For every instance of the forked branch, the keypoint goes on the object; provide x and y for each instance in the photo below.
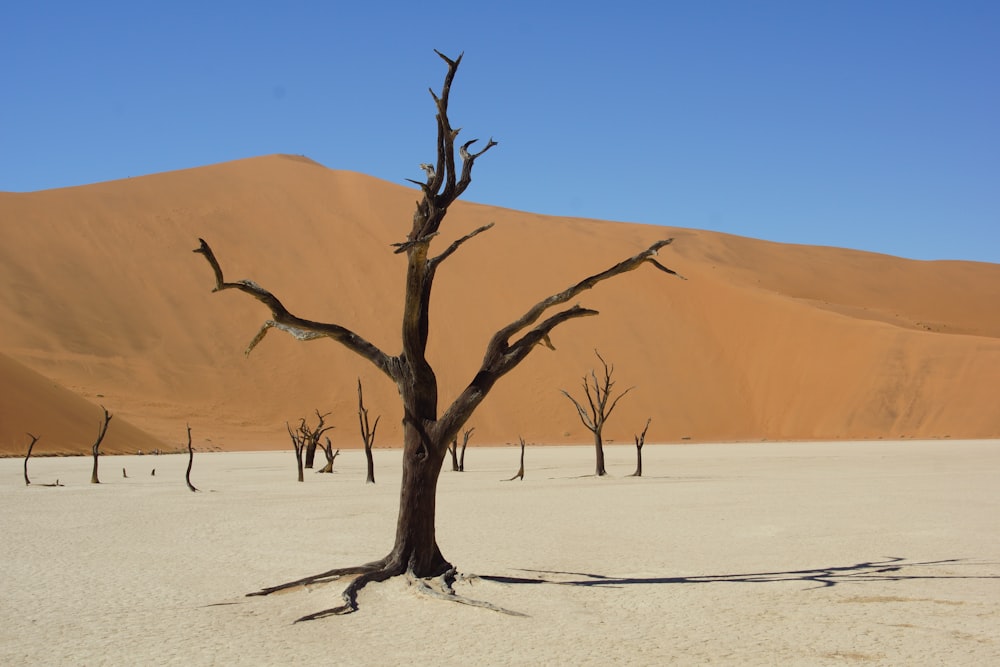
(502, 355)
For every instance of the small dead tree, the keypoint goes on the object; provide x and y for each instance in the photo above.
(298, 444)
(31, 445)
(598, 409)
(187, 475)
(640, 440)
(458, 460)
(304, 438)
(427, 428)
(367, 434)
(520, 471)
(330, 456)
(102, 430)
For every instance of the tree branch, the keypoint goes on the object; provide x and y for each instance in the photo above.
(301, 329)
(501, 338)
(433, 262)
(502, 356)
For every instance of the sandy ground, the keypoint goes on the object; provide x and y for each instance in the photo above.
(881, 553)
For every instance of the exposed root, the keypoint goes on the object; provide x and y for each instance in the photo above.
(322, 578)
(441, 588)
(350, 594)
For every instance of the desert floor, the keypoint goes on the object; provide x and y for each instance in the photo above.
(791, 553)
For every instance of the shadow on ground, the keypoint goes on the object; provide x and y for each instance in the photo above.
(890, 569)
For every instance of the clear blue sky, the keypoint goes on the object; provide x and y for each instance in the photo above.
(865, 124)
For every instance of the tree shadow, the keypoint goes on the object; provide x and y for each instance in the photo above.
(890, 569)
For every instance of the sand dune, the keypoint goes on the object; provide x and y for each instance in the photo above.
(763, 341)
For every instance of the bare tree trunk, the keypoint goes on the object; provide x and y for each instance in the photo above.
(102, 430)
(34, 439)
(367, 434)
(187, 475)
(453, 450)
(599, 469)
(298, 443)
(465, 443)
(415, 549)
(640, 440)
(310, 454)
(520, 471)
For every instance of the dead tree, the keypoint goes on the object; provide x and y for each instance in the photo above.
(426, 430)
(102, 430)
(597, 410)
(298, 444)
(367, 434)
(520, 471)
(640, 440)
(458, 461)
(304, 438)
(187, 475)
(31, 445)
(330, 456)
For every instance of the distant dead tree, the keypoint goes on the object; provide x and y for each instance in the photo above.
(187, 475)
(330, 456)
(304, 438)
(458, 461)
(640, 440)
(426, 430)
(520, 471)
(598, 409)
(102, 430)
(31, 445)
(367, 434)
(124, 474)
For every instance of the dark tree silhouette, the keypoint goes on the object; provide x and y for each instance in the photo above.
(367, 434)
(31, 445)
(101, 431)
(458, 460)
(304, 438)
(330, 457)
(187, 475)
(640, 440)
(597, 410)
(520, 471)
(426, 431)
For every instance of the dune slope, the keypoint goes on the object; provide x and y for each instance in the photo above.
(762, 341)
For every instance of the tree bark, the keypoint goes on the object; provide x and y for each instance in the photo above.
(599, 469)
(415, 549)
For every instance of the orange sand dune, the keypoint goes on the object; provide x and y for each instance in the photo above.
(763, 341)
(64, 422)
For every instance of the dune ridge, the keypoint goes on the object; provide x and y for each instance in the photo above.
(763, 341)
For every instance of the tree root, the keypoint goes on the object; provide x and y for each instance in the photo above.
(440, 587)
